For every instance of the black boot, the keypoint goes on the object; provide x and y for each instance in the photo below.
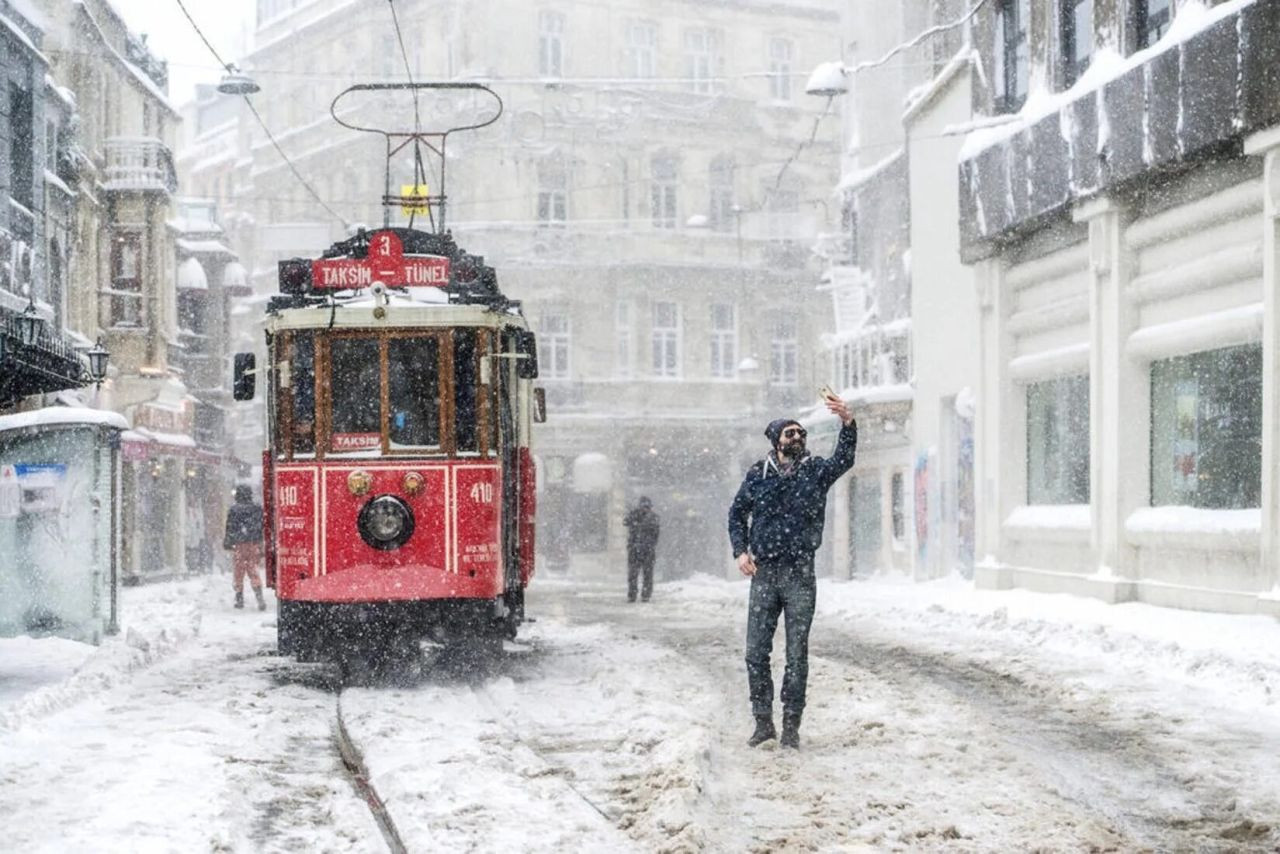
(239, 599)
(790, 731)
(764, 731)
(262, 603)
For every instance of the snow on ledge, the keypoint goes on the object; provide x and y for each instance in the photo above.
(1194, 528)
(1049, 521)
(1193, 18)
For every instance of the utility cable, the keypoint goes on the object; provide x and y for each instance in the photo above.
(292, 168)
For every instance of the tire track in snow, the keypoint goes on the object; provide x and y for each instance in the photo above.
(1116, 771)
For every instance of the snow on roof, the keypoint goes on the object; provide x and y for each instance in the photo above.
(63, 415)
(66, 95)
(921, 95)
(21, 35)
(852, 181)
(1193, 17)
(138, 74)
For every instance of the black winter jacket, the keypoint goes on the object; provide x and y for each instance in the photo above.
(642, 532)
(244, 524)
(779, 517)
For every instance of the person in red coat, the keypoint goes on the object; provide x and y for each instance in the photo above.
(243, 538)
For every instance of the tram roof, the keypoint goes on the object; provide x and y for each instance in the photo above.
(398, 314)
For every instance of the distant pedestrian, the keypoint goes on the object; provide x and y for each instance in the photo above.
(775, 526)
(243, 538)
(642, 546)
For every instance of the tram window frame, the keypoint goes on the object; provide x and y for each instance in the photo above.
(442, 387)
(488, 438)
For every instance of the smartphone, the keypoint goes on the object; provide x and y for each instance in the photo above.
(826, 393)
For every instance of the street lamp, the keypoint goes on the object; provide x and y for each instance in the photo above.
(29, 324)
(828, 80)
(98, 361)
(236, 83)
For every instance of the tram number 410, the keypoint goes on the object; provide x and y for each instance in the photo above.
(482, 493)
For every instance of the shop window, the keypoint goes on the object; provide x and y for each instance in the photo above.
(1206, 429)
(1058, 441)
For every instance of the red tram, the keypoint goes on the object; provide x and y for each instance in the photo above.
(398, 481)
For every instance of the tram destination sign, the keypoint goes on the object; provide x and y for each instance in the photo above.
(385, 263)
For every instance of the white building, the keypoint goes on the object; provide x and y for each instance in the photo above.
(1123, 231)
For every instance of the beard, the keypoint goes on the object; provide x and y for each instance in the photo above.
(793, 450)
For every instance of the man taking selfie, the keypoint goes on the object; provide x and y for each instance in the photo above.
(775, 526)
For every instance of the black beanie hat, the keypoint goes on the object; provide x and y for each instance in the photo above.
(774, 431)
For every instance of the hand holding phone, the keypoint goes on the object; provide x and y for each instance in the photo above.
(826, 393)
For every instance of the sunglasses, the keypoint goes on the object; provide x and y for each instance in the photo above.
(793, 432)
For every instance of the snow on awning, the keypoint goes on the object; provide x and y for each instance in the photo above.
(191, 276)
(235, 278)
(141, 443)
(852, 181)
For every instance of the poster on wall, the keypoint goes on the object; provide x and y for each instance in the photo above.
(922, 505)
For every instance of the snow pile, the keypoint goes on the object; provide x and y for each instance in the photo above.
(155, 620)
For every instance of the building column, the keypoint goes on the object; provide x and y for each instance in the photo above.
(1118, 445)
(995, 492)
(841, 536)
(1267, 145)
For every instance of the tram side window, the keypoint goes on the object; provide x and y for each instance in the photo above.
(302, 372)
(466, 378)
(413, 366)
(355, 384)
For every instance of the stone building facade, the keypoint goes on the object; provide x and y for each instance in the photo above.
(651, 194)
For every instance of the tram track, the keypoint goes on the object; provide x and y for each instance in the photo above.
(358, 774)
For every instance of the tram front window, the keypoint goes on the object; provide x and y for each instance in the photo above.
(355, 385)
(413, 373)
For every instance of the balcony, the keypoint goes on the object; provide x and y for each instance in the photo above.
(138, 165)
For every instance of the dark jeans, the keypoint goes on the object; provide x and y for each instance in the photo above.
(637, 566)
(777, 589)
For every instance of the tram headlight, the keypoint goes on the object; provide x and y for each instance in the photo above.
(385, 522)
(359, 482)
(413, 483)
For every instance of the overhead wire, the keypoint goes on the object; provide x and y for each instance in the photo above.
(262, 123)
(419, 170)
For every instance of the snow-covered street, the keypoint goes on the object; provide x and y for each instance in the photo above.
(939, 719)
